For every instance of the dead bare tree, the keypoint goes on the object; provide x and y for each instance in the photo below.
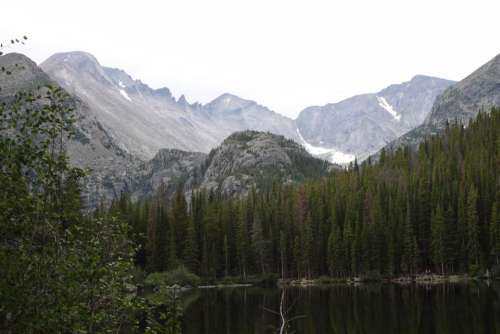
(284, 312)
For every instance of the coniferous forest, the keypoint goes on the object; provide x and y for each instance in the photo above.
(433, 209)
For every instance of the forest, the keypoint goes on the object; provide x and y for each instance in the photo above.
(435, 209)
(430, 209)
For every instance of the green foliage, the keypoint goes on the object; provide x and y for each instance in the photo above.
(164, 312)
(61, 272)
(438, 238)
(179, 276)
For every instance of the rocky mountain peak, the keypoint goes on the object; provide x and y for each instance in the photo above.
(24, 74)
(78, 61)
(228, 102)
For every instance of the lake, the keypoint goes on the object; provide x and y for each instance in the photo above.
(371, 308)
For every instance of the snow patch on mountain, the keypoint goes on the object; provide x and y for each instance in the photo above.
(384, 104)
(333, 155)
(125, 95)
(121, 84)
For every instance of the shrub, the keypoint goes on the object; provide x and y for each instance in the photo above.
(178, 276)
(155, 280)
(182, 276)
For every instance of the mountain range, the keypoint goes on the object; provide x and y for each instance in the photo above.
(144, 120)
(133, 138)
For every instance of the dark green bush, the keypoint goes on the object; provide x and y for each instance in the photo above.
(179, 276)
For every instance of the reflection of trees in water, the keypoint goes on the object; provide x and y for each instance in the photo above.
(383, 308)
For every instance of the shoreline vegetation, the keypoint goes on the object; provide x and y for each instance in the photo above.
(271, 281)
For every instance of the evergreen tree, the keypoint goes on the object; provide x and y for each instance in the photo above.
(495, 233)
(438, 238)
(473, 242)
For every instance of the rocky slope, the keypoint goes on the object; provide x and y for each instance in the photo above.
(174, 168)
(144, 120)
(92, 148)
(254, 159)
(363, 124)
(244, 160)
(460, 102)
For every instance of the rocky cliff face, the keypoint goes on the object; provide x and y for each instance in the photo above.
(244, 160)
(254, 159)
(363, 124)
(171, 167)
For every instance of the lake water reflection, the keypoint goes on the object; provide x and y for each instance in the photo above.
(371, 308)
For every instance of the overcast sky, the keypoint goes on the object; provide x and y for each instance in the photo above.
(286, 55)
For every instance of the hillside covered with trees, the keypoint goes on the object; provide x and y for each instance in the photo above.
(436, 208)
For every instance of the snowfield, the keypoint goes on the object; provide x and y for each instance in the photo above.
(334, 156)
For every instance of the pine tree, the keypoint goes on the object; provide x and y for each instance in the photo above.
(242, 243)
(179, 221)
(336, 253)
(473, 244)
(283, 257)
(172, 261)
(307, 246)
(410, 248)
(438, 238)
(191, 251)
(258, 243)
(226, 257)
(495, 233)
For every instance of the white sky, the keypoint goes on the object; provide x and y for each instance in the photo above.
(286, 55)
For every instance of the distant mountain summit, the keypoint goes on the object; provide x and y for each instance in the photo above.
(144, 120)
(363, 124)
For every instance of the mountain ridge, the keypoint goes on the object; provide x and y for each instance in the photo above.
(360, 125)
(145, 120)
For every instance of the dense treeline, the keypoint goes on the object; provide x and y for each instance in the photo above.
(435, 208)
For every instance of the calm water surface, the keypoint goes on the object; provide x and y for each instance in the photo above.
(385, 308)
